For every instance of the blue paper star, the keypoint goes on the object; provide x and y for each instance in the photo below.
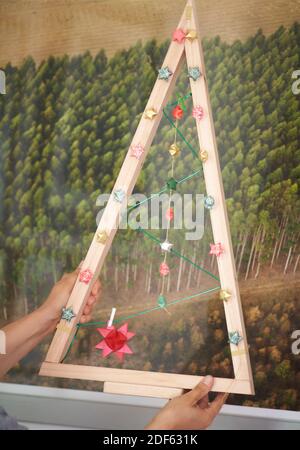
(235, 338)
(164, 73)
(68, 314)
(119, 195)
(194, 73)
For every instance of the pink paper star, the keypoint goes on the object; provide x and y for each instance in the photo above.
(85, 276)
(179, 35)
(198, 113)
(164, 269)
(216, 249)
(115, 341)
(137, 150)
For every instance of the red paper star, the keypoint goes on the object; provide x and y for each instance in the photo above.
(115, 341)
(170, 214)
(179, 35)
(216, 249)
(177, 112)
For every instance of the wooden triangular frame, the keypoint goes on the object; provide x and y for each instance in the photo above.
(156, 384)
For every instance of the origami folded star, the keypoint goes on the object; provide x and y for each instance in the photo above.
(115, 341)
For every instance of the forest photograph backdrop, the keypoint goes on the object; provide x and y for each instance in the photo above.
(65, 126)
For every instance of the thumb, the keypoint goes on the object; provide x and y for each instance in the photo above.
(201, 390)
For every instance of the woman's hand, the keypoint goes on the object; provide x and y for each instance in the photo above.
(191, 411)
(60, 293)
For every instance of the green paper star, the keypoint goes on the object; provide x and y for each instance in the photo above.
(164, 73)
(172, 184)
(68, 314)
(194, 73)
(162, 302)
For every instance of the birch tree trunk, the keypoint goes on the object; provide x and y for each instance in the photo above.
(179, 273)
(191, 270)
(116, 277)
(149, 279)
(282, 237)
(274, 253)
(287, 260)
(260, 246)
(242, 252)
(251, 254)
(256, 247)
(296, 264)
(127, 273)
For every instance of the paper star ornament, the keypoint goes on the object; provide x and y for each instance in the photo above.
(174, 150)
(119, 195)
(235, 338)
(68, 314)
(216, 249)
(209, 202)
(150, 113)
(137, 150)
(194, 73)
(164, 269)
(170, 214)
(166, 246)
(203, 155)
(225, 295)
(164, 73)
(115, 341)
(191, 35)
(101, 237)
(198, 113)
(85, 276)
(179, 36)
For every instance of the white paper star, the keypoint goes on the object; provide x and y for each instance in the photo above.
(166, 246)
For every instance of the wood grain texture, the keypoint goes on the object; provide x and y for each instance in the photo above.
(136, 377)
(141, 390)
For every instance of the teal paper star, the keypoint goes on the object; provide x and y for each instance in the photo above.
(68, 314)
(162, 302)
(194, 73)
(119, 195)
(209, 202)
(235, 338)
(164, 73)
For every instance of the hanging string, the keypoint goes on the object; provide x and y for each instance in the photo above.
(154, 308)
(180, 134)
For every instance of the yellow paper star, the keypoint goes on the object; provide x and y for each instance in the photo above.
(101, 237)
(203, 155)
(191, 35)
(150, 113)
(225, 295)
(174, 150)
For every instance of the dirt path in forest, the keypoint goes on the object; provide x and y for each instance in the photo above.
(248, 289)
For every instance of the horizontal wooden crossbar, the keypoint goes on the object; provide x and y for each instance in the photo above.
(138, 377)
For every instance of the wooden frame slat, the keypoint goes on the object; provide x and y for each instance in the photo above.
(141, 378)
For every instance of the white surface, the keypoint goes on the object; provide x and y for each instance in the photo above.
(51, 408)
